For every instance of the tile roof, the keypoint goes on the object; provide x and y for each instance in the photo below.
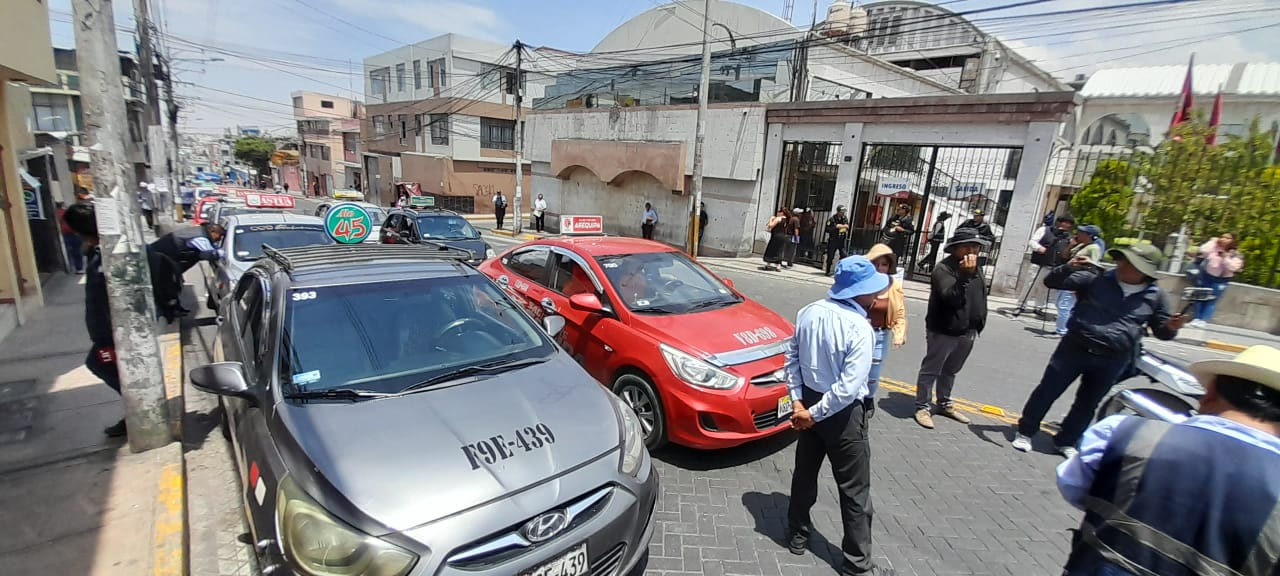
(1252, 79)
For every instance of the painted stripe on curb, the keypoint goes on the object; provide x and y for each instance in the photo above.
(170, 523)
(993, 412)
(1225, 346)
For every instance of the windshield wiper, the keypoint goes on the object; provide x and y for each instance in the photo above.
(350, 394)
(476, 370)
(711, 304)
(653, 310)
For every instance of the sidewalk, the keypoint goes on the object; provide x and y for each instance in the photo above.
(1224, 338)
(75, 501)
(486, 223)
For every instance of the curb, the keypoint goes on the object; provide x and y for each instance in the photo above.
(169, 527)
(510, 234)
(171, 350)
(1214, 345)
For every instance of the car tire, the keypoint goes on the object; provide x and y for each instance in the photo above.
(638, 392)
(223, 422)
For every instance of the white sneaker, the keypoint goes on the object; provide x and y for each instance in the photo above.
(1197, 323)
(1068, 452)
(1022, 443)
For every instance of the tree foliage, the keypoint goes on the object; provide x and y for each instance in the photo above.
(1105, 199)
(255, 151)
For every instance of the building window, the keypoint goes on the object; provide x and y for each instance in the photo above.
(439, 129)
(404, 127)
(52, 112)
(297, 105)
(895, 29)
(497, 134)
(324, 152)
(1012, 164)
(135, 127)
(400, 77)
(439, 77)
(326, 103)
(379, 125)
(378, 80)
(417, 74)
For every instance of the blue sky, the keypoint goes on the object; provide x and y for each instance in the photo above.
(306, 44)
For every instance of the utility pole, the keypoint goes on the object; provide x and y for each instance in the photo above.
(518, 198)
(700, 136)
(133, 313)
(175, 162)
(147, 57)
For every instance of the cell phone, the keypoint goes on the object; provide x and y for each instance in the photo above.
(1194, 295)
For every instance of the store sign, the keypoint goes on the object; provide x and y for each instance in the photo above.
(256, 200)
(966, 189)
(581, 224)
(35, 209)
(347, 223)
(893, 186)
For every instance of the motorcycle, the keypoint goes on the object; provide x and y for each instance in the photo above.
(1182, 392)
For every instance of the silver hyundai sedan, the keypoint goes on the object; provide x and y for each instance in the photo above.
(393, 414)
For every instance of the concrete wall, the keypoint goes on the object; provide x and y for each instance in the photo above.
(24, 42)
(1242, 306)
(312, 106)
(19, 276)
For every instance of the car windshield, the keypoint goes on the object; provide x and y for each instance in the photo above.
(389, 336)
(249, 239)
(665, 283)
(376, 214)
(446, 227)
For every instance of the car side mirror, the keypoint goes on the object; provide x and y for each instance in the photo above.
(587, 302)
(553, 324)
(727, 282)
(223, 379)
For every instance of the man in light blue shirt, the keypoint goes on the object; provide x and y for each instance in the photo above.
(647, 221)
(827, 366)
(1198, 497)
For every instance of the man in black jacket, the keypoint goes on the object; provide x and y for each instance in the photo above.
(1113, 311)
(898, 230)
(101, 360)
(957, 313)
(837, 230)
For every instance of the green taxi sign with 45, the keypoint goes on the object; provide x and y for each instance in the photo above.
(348, 223)
(422, 201)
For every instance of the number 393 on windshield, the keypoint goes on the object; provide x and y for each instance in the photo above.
(497, 448)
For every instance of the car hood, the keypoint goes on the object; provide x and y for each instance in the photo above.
(400, 460)
(476, 246)
(721, 332)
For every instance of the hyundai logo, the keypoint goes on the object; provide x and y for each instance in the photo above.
(545, 527)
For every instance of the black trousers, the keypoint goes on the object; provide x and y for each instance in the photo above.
(539, 221)
(843, 438)
(932, 257)
(1097, 374)
(99, 366)
(646, 231)
(499, 214)
(834, 245)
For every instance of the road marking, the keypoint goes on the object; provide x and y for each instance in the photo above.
(169, 526)
(1225, 346)
(993, 412)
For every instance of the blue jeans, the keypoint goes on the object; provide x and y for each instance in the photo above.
(1204, 310)
(75, 251)
(1066, 303)
(878, 355)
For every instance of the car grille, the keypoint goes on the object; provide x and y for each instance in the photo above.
(509, 543)
(609, 562)
(767, 420)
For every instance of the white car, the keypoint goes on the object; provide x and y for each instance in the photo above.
(246, 234)
(377, 215)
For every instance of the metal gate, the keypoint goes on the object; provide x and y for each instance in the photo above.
(931, 180)
(809, 182)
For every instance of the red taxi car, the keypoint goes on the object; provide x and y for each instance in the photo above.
(699, 363)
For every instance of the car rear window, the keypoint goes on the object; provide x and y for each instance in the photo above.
(387, 336)
(249, 239)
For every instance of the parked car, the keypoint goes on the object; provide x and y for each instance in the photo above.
(700, 363)
(394, 413)
(246, 234)
(434, 226)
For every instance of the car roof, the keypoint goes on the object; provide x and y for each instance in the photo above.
(606, 245)
(352, 263)
(252, 218)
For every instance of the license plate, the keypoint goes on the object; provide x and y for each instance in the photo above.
(784, 407)
(572, 563)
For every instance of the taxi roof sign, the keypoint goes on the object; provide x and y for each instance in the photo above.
(422, 201)
(581, 224)
(348, 223)
(255, 200)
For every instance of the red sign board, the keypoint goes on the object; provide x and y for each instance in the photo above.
(255, 200)
(581, 224)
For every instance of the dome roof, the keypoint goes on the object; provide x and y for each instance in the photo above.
(676, 29)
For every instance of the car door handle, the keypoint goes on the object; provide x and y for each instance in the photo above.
(549, 305)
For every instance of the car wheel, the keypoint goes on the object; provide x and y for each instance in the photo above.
(638, 393)
(224, 422)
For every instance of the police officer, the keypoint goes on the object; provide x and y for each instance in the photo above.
(837, 230)
(898, 230)
(1198, 497)
(979, 223)
(188, 246)
(828, 364)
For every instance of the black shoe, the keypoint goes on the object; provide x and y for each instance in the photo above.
(798, 542)
(116, 430)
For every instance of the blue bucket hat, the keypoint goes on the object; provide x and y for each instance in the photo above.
(1091, 230)
(857, 276)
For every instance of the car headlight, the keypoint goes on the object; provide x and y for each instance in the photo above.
(321, 545)
(489, 253)
(632, 437)
(696, 371)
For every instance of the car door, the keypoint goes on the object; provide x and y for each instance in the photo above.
(590, 337)
(526, 278)
(389, 233)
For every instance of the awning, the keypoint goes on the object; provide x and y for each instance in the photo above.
(80, 154)
(25, 155)
(28, 181)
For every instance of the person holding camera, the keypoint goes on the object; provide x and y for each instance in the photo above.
(1087, 243)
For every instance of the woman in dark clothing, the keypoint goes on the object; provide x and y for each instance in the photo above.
(792, 231)
(808, 224)
(775, 250)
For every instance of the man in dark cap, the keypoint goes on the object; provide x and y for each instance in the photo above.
(1114, 310)
(898, 230)
(979, 223)
(957, 314)
(837, 230)
(937, 235)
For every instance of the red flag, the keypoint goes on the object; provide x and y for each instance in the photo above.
(1186, 101)
(1215, 118)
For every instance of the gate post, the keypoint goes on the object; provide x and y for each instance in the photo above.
(1022, 217)
(850, 166)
